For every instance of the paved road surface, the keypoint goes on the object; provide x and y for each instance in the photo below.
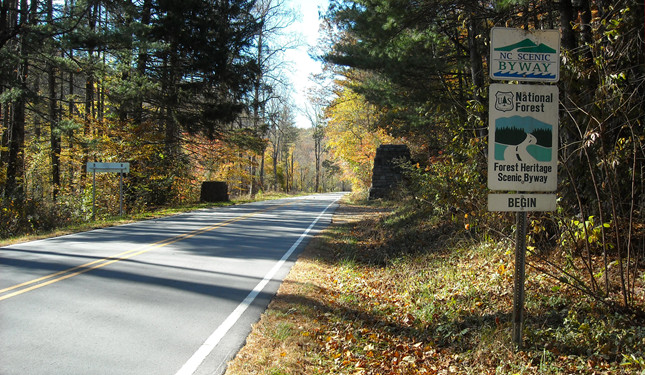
(169, 296)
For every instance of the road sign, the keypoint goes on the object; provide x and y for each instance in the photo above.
(521, 202)
(108, 167)
(521, 55)
(523, 138)
(523, 135)
(119, 168)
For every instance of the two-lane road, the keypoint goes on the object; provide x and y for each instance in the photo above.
(169, 296)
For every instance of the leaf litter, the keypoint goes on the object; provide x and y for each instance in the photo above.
(364, 299)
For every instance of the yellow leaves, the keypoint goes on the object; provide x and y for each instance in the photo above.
(351, 137)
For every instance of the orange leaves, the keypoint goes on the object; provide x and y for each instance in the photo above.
(370, 328)
(376, 351)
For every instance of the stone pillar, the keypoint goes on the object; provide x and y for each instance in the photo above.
(386, 175)
(214, 191)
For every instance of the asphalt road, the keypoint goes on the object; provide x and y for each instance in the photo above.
(170, 296)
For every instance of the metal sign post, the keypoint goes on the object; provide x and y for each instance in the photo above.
(518, 278)
(119, 168)
(93, 194)
(120, 194)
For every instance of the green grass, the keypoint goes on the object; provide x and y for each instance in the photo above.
(282, 331)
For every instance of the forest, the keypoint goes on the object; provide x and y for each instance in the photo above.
(184, 91)
(419, 71)
(192, 91)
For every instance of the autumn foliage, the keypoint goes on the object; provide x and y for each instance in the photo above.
(393, 291)
(422, 67)
(352, 136)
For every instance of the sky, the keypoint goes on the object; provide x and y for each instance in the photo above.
(306, 25)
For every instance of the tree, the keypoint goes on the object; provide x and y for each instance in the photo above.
(13, 22)
(353, 137)
(132, 80)
(415, 56)
(316, 118)
(274, 19)
(411, 60)
(205, 67)
(282, 135)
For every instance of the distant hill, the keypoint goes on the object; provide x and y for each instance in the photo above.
(542, 48)
(526, 123)
(527, 45)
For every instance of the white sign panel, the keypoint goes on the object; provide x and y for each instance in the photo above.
(523, 137)
(108, 167)
(521, 202)
(521, 55)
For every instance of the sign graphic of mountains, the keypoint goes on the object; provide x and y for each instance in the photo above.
(527, 45)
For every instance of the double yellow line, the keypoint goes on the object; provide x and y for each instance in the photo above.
(40, 282)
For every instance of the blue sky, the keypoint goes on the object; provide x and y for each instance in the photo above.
(303, 65)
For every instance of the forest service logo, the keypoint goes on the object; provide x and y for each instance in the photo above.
(504, 101)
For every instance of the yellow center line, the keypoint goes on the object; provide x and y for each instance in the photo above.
(90, 266)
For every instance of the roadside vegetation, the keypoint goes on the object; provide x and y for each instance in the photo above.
(185, 92)
(35, 224)
(392, 290)
(416, 73)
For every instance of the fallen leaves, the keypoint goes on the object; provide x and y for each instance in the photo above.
(443, 312)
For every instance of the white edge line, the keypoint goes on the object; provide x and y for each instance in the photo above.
(207, 347)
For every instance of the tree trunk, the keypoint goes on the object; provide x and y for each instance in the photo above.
(100, 95)
(252, 185)
(292, 176)
(275, 165)
(4, 142)
(287, 175)
(262, 168)
(172, 101)
(55, 139)
(89, 80)
(585, 31)
(16, 158)
(142, 59)
(317, 155)
(256, 108)
(37, 118)
(566, 24)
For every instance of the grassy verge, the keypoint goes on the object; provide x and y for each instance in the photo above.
(386, 291)
(64, 229)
